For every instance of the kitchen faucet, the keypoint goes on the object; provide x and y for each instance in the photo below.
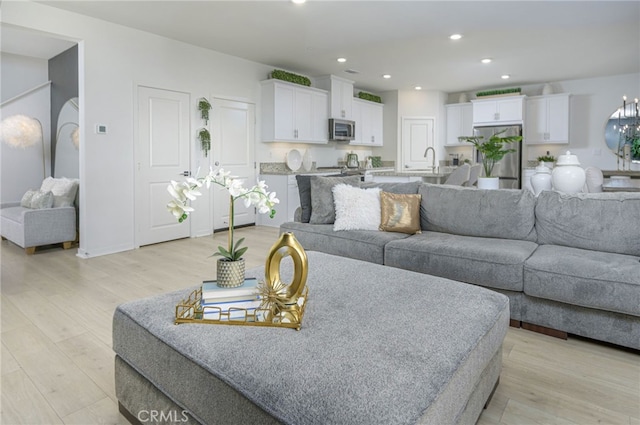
(433, 162)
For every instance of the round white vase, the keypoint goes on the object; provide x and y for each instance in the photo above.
(547, 89)
(490, 183)
(567, 175)
(541, 180)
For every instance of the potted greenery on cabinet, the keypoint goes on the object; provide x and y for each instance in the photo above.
(491, 152)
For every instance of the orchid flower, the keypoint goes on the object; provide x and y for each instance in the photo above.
(257, 196)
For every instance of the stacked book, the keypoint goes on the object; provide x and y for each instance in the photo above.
(230, 303)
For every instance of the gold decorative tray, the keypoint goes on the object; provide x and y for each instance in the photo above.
(282, 304)
(190, 310)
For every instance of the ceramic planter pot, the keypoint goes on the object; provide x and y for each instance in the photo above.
(488, 183)
(230, 274)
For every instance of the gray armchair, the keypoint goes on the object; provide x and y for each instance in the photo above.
(43, 225)
(30, 228)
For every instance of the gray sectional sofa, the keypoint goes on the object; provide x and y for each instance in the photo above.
(568, 263)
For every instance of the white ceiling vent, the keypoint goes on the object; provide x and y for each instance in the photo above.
(351, 71)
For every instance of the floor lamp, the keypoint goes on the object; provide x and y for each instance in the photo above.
(21, 131)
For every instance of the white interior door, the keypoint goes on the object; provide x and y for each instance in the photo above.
(232, 144)
(162, 155)
(417, 136)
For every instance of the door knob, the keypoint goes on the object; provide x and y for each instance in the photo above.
(185, 173)
(216, 163)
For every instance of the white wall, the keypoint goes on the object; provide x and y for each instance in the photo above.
(423, 103)
(114, 60)
(20, 73)
(24, 169)
(593, 100)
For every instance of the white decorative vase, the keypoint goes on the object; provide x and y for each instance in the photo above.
(541, 180)
(230, 274)
(489, 183)
(547, 89)
(463, 98)
(568, 176)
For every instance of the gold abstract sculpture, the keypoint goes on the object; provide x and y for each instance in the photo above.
(283, 304)
(284, 300)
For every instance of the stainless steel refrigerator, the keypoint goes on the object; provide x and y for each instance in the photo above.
(509, 168)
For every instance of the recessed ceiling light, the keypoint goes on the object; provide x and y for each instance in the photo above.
(387, 76)
(505, 76)
(486, 60)
(418, 88)
(455, 36)
(298, 1)
(342, 60)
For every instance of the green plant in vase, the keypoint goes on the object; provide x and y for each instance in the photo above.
(492, 150)
(635, 149)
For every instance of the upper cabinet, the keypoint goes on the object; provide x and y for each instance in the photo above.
(507, 110)
(368, 117)
(293, 113)
(459, 123)
(341, 96)
(547, 119)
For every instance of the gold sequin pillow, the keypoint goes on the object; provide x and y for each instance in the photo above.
(400, 212)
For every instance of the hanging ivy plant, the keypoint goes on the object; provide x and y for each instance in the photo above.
(204, 106)
(205, 140)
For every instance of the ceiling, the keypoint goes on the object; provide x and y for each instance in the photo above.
(533, 41)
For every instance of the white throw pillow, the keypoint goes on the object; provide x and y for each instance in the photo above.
(25, 202)
(42, 200)
(356, 208)
(64, 190)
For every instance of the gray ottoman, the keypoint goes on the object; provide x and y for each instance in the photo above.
(378, 345)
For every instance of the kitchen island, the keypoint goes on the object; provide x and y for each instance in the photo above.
(437, 176)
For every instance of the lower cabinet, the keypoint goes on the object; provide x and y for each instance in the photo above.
(286, 188)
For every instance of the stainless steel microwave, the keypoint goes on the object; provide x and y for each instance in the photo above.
(341, 130)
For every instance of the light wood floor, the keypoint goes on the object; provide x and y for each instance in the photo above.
(57, 362)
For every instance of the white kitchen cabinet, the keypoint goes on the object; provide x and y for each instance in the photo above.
(293, 113)
(459, 123)
(507, 110)
(340, 95)
(368, 117)
(547, 119)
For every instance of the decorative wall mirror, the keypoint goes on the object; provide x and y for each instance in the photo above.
(67, 158)
(622, 132)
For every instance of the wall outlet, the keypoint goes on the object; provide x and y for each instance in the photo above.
(101, 129)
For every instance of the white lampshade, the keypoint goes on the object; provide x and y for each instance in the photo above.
(21, 131)
(75, 137)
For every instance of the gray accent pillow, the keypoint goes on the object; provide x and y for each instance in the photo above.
(25, 202)
(304, 190)
(607, 222)
(42, 200)
(322, 207)
(501, 213)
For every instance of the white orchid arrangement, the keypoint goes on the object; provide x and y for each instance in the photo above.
(257, 196)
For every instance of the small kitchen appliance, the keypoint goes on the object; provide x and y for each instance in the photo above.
(352, 160)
